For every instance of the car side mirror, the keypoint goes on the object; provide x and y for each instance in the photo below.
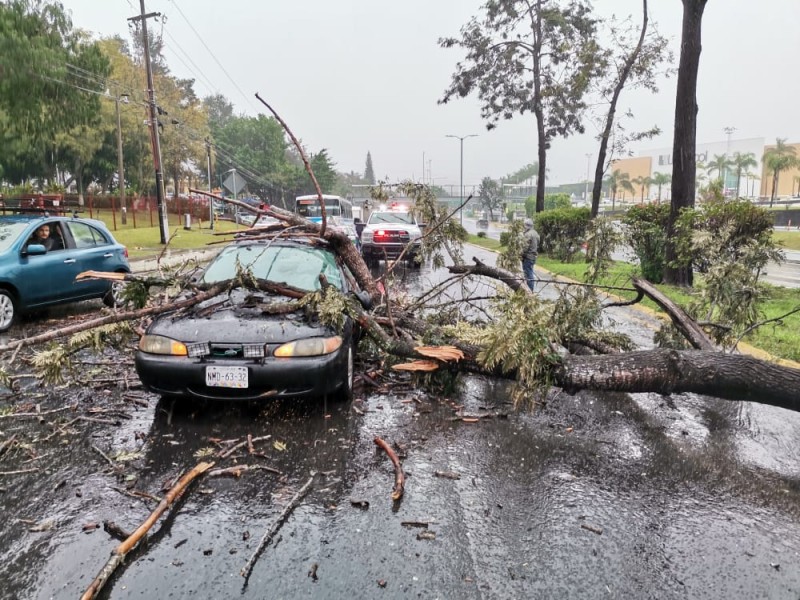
(35, 250)
(364, 298)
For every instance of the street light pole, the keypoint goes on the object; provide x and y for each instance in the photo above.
(120, 166)
(588, 169)
(461, 139)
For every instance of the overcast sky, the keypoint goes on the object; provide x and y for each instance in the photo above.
(365, 75)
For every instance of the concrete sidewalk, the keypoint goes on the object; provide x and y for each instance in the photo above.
(173, 258)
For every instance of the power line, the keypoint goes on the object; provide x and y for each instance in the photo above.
(219, 64)
(199, 71)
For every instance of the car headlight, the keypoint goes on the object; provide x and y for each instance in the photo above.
(158, 344)
(366, 236)
(309, 347)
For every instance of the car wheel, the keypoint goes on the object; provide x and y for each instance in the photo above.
(113, 297)
(8, 310)
(345, 393)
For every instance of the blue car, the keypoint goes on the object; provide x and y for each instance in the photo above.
(36, 273)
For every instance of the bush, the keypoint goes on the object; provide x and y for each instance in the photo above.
(481, 234)
(562, 232)
(646, 233)
(530, 206)
(556, 201)
(504, 238)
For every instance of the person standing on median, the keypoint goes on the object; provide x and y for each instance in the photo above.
(530, 250)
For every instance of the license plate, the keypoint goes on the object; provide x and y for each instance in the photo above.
(228, 377)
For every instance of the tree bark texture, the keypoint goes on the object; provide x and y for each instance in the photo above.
(684, 144)
(728, 376)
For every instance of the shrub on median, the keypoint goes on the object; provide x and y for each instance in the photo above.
(562, 232)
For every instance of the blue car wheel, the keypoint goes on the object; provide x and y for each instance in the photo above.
(8, 310)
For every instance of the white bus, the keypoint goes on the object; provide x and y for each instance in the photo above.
(335, 206)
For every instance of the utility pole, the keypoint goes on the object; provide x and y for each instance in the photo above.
(210, 200)
(461, 202)
(156, 143)
(120, 166)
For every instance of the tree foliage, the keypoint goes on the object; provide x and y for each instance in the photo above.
(490, 195)
(529, 57)
(369, 171)
(779, 158)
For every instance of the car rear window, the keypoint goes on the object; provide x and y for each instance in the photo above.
(297, 266)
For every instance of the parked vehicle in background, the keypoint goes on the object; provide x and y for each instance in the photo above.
(386, 235)
(237, 350)
(32, 277)
(335, 206)
(483, 221)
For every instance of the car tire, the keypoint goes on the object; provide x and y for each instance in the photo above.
(112, 297)
(345, 393)
(8, 310)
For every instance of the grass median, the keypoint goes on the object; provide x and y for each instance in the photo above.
(781, 339)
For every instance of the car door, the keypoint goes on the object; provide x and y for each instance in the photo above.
(92, 251)
(48, 278)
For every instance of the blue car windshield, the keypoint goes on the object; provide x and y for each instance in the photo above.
(10, 231)
(297, 266)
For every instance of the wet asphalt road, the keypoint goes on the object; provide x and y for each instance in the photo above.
(588, 496)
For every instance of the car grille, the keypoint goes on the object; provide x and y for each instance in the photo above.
(227, 351)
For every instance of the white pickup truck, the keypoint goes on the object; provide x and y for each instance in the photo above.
(387, 233)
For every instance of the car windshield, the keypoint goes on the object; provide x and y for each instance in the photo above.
(391, 217)
(10, 231)
(298, 266)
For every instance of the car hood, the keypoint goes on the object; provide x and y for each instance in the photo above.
(240, 320)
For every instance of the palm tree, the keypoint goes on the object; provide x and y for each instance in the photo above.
(742, 162)
(720, 164)
(779, 158)
(616, 181)
(660, 179)
(643, 181)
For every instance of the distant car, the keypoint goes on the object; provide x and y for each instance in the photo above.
(31, 277)
(483, 224)
(237, 350)
(386, 235)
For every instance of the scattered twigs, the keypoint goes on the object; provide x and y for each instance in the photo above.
(237, 470)
(19, 472)
(38, 413)
(104, 455)
(761, 323)
(115, 530)
(119, 553)
(399, 476)
(270, 533)
(247, 442)
(136, 494)
(7, 444)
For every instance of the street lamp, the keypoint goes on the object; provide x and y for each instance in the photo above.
(461, 139)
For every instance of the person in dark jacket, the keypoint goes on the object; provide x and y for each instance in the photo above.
(42, 236)
(530, 250)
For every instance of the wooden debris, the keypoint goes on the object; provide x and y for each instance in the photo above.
(415, 523)
(592, 528)
(399, 476)
(312, 572)
(426, 535)
(270, 533)
(359, 503)
(443, 353)
(447, 474)
(417, 365)
(115, 530)
(119, 553)
(237, 470)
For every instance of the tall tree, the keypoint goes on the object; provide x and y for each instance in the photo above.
(644, 182)
(626, 63)
(490, 195)
(779, 158)
(618, 180)
(661, 179)
(529, 56)
(369, 172)
(720, 163)
(684, 143)
(742, 163)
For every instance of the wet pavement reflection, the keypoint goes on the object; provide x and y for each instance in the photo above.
(588, 496)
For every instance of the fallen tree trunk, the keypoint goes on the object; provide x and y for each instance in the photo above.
(727, 376)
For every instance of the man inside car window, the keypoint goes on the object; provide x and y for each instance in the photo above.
(42, 236)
